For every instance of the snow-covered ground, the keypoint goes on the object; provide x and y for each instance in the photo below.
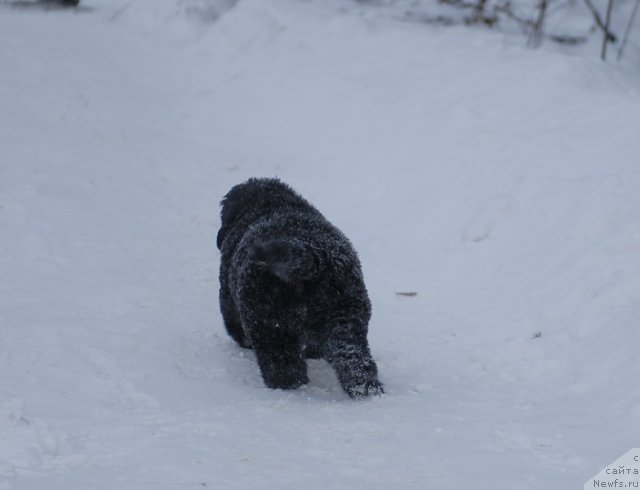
(497, 182)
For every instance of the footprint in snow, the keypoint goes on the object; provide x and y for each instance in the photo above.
(489, 214)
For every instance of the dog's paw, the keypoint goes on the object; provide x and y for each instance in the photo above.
(290, 381)
(366, 390)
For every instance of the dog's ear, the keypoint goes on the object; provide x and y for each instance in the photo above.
(221, 233)
(232, 205)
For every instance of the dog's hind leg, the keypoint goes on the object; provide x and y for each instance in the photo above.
(232, 319)
(280, 356)
(348, 352)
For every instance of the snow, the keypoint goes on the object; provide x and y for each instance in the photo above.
(498, 182)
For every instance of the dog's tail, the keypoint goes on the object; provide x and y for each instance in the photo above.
(289, 260)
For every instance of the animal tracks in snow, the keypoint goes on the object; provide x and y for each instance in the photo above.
(490, 214)
(28, 444)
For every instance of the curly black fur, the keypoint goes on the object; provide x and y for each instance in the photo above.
(291, 288)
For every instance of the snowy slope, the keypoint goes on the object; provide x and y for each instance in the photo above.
(498, 183)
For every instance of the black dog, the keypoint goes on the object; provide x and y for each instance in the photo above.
(291, 288)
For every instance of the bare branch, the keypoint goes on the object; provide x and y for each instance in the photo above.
(536, 33)
(607, 23)
(507, 11)
(628, 29)
(596, 16)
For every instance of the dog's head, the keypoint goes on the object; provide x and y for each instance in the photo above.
(253, 198)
